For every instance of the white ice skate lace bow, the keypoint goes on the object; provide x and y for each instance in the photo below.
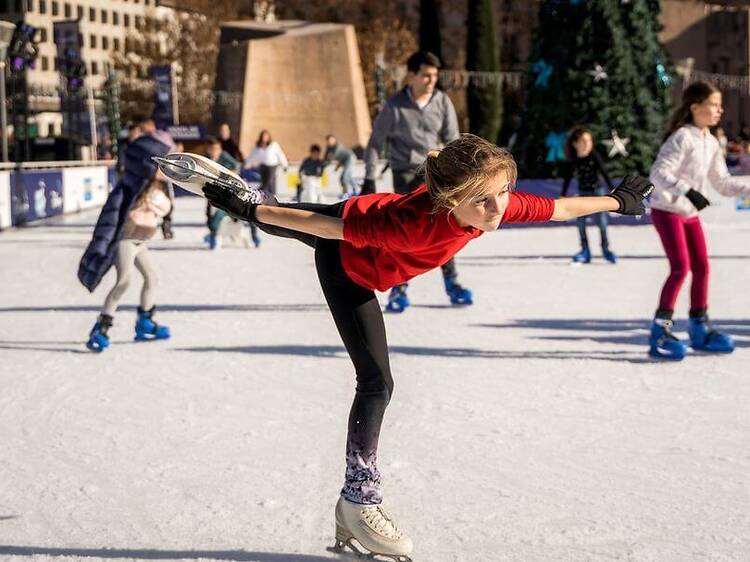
(378, 519)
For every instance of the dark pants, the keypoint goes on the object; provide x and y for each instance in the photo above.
(359, 321)
(268, 178)
(404, 182)
(601, 219)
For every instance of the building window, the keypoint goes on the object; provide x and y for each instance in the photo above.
(56, 65)
(94, 68)
(92, 14)
(67, 10)
(105, 42)
(19, 6)
(104, 16)
(138, 22)
(92, 41)
(42, 6)
(29, 5)
(79, 12)
(43, 35)
(55, 9)
(116, 44)
(115, 18)
(45, 63)
(126, 20)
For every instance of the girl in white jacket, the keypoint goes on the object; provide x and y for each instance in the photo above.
(689, 161)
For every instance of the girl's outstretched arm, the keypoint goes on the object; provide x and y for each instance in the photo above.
(308, 222)
(626, 199)
(572, 207)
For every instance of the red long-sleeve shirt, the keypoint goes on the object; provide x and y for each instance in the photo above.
(390, 238)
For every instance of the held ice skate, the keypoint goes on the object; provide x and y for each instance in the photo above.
(146, 329)
(398, 300)
(456, 293)
(98, 337)
(374, 531)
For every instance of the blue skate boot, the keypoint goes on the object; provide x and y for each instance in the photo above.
(663, 343)
(98, 337)
(398, 301)
(705, 338)
(584, 256)
(609, 255)
(146, 329)
(457, 293)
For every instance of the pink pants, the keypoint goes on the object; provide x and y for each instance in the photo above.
(685, 245)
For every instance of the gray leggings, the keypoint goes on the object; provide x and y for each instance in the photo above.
(131, 253)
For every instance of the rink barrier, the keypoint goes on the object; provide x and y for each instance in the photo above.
(40, 190)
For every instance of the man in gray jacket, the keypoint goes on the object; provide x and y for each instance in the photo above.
(415, 120)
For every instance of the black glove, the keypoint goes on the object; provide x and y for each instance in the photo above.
(230, 201)
(697, 199)
(368, 186)
(630, 195)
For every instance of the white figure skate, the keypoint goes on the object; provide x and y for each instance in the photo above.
(193, 171)
(373, 529)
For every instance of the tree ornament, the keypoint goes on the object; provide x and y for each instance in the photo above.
(617, 144)
(599, 73)
(663, 75)
(543, 72)
(555, 142)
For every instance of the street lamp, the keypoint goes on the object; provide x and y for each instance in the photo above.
(6, 34)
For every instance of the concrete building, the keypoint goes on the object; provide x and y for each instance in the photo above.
(289, 77)
(104, 24)
(715, 34)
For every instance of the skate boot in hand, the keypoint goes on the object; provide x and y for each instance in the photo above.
(398, 301)
(372, 529)
(98, 337)
(146, 329)
(456, 293)
(705, 338)
(663, 343)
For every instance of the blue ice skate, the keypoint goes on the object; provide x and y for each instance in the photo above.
(146, 329)
(98, 338)
(609, 255)
(458, 294)
(584, 256)
(398, 301)
(705, 338)
(663, 343)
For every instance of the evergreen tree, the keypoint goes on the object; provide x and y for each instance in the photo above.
(429, 28)
(484, 94)
(596, 63)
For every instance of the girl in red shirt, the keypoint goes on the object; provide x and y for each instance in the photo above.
(374, 242)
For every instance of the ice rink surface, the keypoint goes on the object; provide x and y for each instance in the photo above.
(531, 426)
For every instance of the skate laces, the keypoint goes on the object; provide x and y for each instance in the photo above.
(379, 520)
(667, 327)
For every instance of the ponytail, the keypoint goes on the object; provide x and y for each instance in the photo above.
(697, 92)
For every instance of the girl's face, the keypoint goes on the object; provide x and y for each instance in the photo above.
(485, 211)
(584, 145)
(708, 113)
(265, 138)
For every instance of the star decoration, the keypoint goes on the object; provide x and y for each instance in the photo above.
(542, 71)
(617, 145)
(599, 73)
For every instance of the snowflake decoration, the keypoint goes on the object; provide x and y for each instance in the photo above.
(617, 145)
(599, 73)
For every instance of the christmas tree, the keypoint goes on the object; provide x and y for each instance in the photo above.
(596, 63)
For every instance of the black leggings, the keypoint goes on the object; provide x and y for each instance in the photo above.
(359, 320)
